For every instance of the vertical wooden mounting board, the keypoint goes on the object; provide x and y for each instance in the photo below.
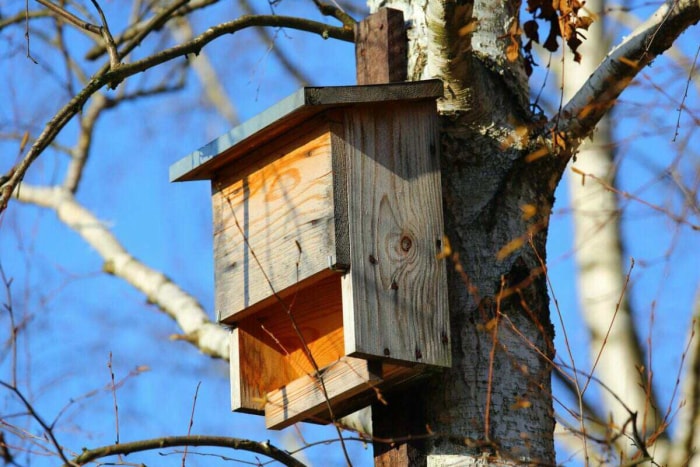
(395, 298)
(381, 48)
(284, 205)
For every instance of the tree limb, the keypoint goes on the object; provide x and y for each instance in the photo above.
(115, 76)
(265, 448)
(199, 330)
(71, 18)
(337, 13)
(205, 71)
(114, 61)
(581, 114)
(177, 9)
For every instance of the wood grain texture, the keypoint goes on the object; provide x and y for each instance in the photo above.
(381, 48)
(250, 357)
(304, 398)
(396, 296)
(267, 351)
(283, 204)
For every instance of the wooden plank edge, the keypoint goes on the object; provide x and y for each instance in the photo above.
(230, 319)
(304, 399)
(303, 104)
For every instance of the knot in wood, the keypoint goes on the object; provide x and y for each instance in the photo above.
(406, 243)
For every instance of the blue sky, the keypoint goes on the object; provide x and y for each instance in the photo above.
(78, 315)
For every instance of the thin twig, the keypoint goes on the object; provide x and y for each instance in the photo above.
(13, 327)
(685, 94)
(71, 18)
(113, 77)
(612, 321)
(284, 60)
(189, 427)
(114, 60)
(26, 30)
(113, 388)
(493, 322)
(574, 380)
(35, 415)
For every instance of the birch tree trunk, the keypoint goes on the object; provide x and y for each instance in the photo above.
(496, 400)
(501, 164)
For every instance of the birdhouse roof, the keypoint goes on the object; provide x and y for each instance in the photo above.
(288, 113)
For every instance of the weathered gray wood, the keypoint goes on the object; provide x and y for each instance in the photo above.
(381, 48)
(395, 299)
(300, 106)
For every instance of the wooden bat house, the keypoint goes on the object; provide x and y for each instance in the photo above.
(328, 230)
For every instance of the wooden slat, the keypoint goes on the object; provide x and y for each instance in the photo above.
(249, 381)
(283, 205)
(381, 48)
(267, 352)
(304, 398)
(396, 295)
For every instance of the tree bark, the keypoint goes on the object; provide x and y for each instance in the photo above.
(495, 402)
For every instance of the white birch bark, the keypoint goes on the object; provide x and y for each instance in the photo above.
(479, 108)
(197, 328)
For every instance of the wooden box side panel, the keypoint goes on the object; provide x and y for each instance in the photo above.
(250, 357)
(396, 294)
(273, 221)
(269, 349)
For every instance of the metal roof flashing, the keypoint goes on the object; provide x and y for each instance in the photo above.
(302, 105)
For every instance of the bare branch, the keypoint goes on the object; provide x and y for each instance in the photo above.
(20, 18)
(199, 330)
(71, 18)
(113, 77)
(211, 84)
(114, 60)
(599, 93)
(266, 448)
(337, 13)
(80, 151)
(177, 9)
(293, 70)
(684, 451)
(48, 429)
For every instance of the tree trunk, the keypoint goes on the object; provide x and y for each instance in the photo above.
(495, 402)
